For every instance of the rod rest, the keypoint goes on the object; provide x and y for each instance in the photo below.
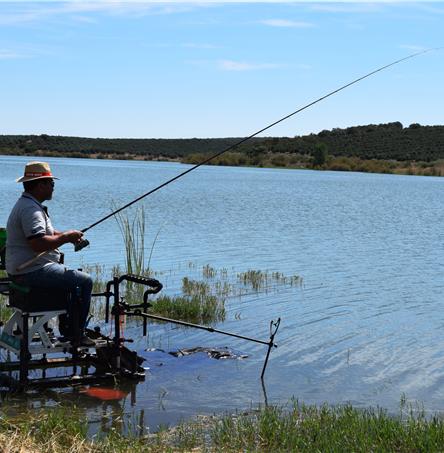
(32, 299)
(151, 282)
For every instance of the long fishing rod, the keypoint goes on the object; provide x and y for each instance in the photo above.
(84, 242)
(229, 148)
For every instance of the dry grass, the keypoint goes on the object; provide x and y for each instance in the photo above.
(15, 441)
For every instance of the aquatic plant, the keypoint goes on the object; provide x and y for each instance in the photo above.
(203, 300)
(133, 234)
(197, 309)
(195, 287)
(224, 289)
(259, 280)
(208, 271)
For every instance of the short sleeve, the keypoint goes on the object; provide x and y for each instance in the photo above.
(33, 224)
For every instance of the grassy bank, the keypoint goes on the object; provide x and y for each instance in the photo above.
(333, 163)
(298, 428)
(277, 160)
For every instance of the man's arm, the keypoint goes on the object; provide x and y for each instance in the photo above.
(47, 242)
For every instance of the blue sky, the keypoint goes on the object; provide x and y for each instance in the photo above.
(170, 70)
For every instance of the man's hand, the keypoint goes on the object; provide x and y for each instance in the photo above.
(73, 236)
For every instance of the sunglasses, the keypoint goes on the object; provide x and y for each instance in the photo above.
(49, 181)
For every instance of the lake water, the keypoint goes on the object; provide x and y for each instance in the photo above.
(366, 326)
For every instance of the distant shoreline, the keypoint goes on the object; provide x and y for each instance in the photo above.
(373, 148)
(272, 160)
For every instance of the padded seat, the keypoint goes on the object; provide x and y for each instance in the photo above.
(33, 299)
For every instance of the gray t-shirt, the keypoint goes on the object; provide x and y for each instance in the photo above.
(28, 219)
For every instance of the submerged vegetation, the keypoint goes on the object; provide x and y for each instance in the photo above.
(260, 280)
(201, 300)
(278, 429)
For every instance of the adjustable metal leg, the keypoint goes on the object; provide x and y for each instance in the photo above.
(24, 350)
(116, 310)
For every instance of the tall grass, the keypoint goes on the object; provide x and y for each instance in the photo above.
(333, 429)
(133, 234)
(299, 428)
(133, 231)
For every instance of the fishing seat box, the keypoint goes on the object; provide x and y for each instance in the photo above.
(32, 299)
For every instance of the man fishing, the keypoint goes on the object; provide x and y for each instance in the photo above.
(32, 258)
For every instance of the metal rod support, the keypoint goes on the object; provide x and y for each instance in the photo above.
(198, 326)
(274, 325)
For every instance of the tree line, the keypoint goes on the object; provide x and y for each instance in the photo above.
(389, 141)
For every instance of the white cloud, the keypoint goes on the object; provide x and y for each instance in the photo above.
(286, 23)
(430, 8)
(230, 65)
(85, 19)
(24, 12)
(412, 47)
(193, 45)
(345, 7)
(10, 55)
(304, 66)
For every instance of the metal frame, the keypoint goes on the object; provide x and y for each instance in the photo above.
(25, 336)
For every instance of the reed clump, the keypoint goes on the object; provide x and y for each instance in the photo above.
(199, 300)
(133, 235)
(261, 280)
(208, 271)
(193, 309)
(197, 304)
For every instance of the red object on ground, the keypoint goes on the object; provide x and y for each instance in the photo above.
(104, 393)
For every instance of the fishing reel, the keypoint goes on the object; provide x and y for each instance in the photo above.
(81, 245)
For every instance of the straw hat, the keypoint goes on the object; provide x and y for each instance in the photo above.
(36, 170)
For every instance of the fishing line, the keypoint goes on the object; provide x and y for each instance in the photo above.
(331, 93)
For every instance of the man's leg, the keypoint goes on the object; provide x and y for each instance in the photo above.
(58, 276)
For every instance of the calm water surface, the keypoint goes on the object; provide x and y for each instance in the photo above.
(366, 326)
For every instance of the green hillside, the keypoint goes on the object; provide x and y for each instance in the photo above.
(389, 141)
